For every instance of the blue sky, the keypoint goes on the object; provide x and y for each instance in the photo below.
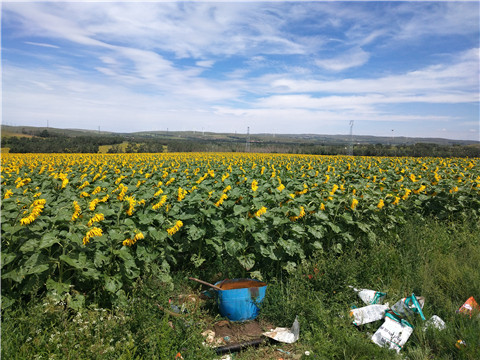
(395, 68)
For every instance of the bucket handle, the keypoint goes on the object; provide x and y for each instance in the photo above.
(206, 283)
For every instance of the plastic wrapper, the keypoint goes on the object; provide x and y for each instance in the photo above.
(469, 306)
(285, 335)
(435, 322)
(368, 314)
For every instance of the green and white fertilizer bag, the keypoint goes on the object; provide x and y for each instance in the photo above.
(409, 306)
(393, 333)
(370, 297)
(368, 314)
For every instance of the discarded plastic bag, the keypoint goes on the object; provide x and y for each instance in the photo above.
(469, 306)
(285, 335)
(409, 306)
(368, 314)
(393, 333)
(435, 322)
(370, 297)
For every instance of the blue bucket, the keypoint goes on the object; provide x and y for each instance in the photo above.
(239, 299)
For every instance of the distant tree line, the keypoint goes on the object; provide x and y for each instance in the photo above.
(46, 142)
(413, 150)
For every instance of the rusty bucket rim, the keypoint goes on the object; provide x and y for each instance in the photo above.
(229, 281)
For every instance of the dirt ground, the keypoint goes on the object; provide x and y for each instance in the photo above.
(232, 332)
(225, 333)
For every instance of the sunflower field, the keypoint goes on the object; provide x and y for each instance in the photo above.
(73, 224)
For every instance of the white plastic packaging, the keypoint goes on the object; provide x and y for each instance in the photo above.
(368, 314)
(435, 322)
(285, 335)
(393, 333)
(370, 297)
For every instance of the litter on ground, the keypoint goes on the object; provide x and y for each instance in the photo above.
(393, 333)
(368, 314)
(285, 335)
(395, 330)
(370, 297)
(469, 306)
(435, 322)
(409, 306)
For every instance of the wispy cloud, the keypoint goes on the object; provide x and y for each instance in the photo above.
(352, 58)
(436, 18)
(205, 63)
(42, 44)
(454, 75)
(309, 65)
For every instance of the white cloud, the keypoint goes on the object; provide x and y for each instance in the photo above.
(185, 29)
(308, 120)
(349, 59)
(366, 103)
(42, 44)
(205, 63)
(460, 75)
(106, 71)
(434, 18)
(108, 60)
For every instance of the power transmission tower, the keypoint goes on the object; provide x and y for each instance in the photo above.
(350, 145)
(247, 143)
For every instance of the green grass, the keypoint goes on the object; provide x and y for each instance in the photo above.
(436, 260)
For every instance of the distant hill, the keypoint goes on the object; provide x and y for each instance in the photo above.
(7, 130)
(30, 139)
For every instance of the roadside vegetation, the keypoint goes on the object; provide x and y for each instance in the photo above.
(437, 260)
